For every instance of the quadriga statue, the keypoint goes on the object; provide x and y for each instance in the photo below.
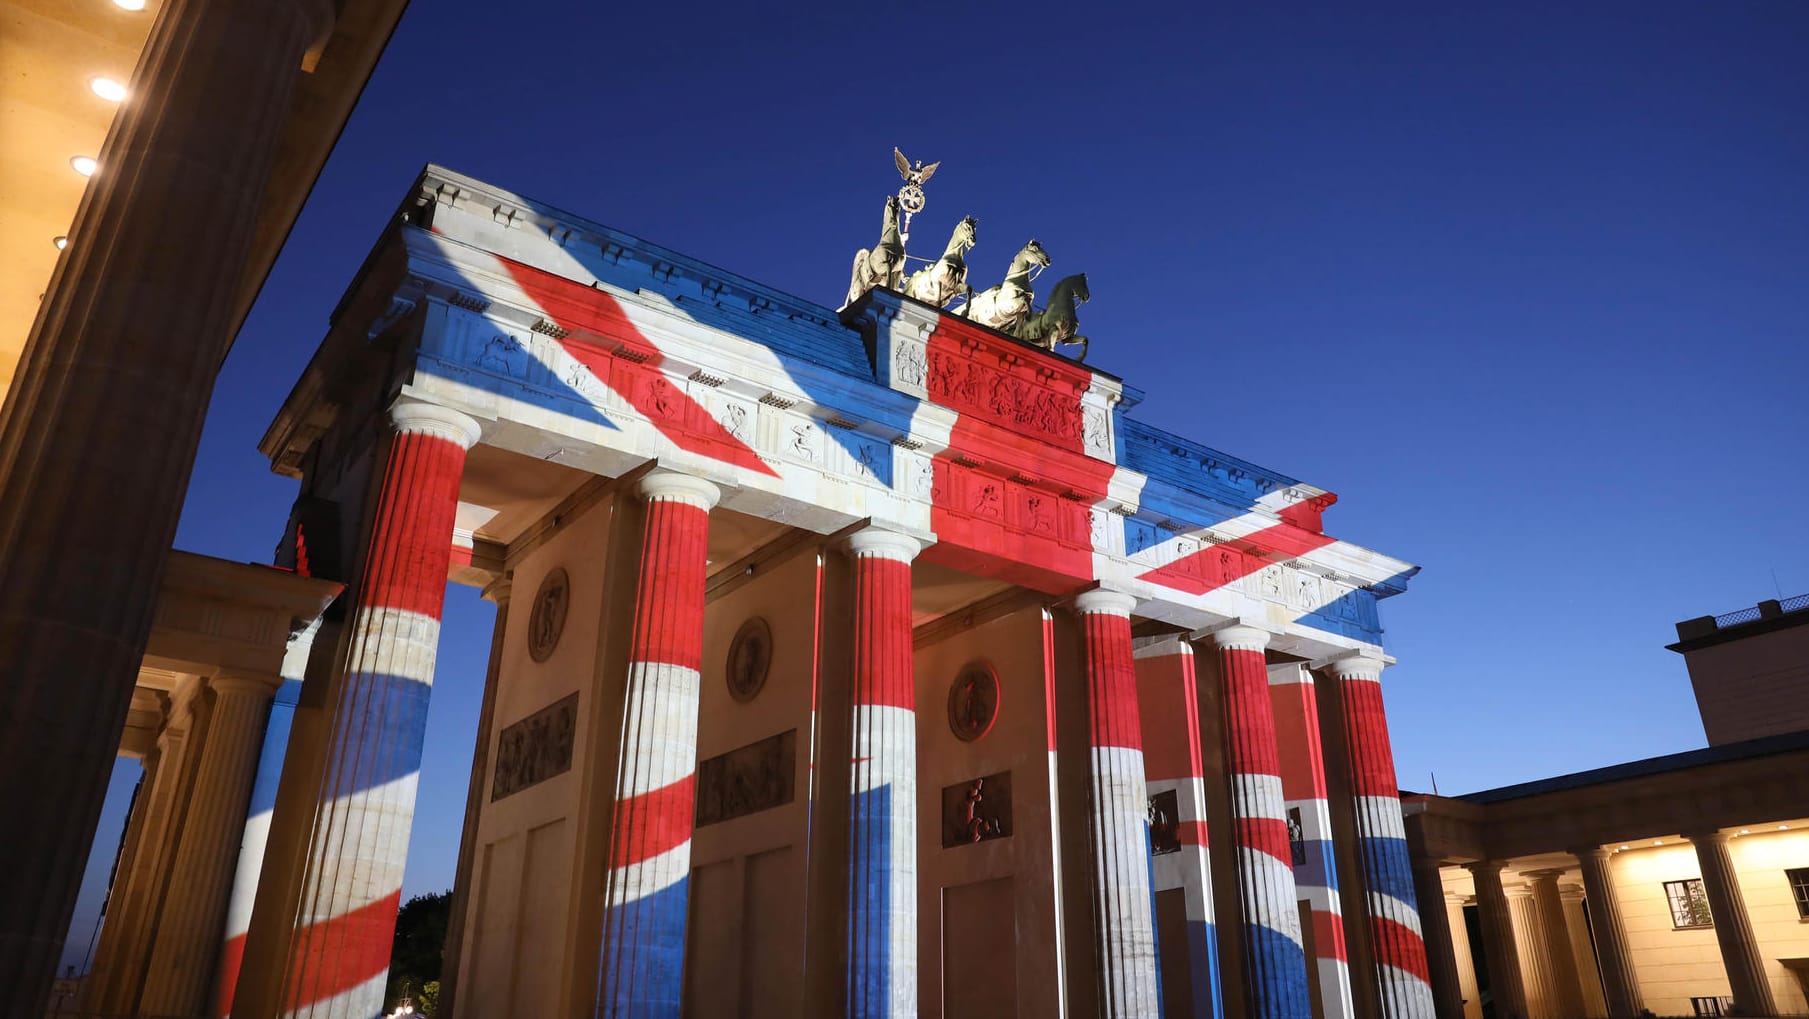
(946, 278)
(1007, 305)
(1056, 324)
(881, 266)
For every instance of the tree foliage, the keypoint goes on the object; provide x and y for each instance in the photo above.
(419, 948)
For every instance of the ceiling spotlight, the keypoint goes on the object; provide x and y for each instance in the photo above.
(84, 165)
(108, 89)
(129, 5)
(60, 242)
(1746, 831)
(1626, 847)
(1783, 827)
(1658, 842)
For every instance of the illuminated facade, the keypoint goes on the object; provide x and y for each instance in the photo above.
(1678, 884)
(865, 662)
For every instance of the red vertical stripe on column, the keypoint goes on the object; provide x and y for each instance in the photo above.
(668, 627)
(1113, 690)
(1249, 713)
(1366, 731)
(410, 549)
(882, 637)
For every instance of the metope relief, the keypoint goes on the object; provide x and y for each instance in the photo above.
(976, 811)
(547, 619)
(750, 657)
(973, 702)
(536, 748)
(747, 780)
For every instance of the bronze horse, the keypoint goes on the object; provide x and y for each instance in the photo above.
(883, 265)
(1056, 324)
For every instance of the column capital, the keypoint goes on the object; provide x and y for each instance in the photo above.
(1479, 867)
(497, 591)
(250, 683)
(671, 486)
(1236, 635)
(1711, 837)
(878, 541)
(1361, 664)
(1099, 601)
(1551, 874)
(1591, 853)
(411, 418)
(1572, 893)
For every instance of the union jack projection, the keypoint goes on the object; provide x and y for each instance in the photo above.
(550, 336)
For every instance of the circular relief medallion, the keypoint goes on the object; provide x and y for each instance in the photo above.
(973, 702)
(547, 621)
(750, 655)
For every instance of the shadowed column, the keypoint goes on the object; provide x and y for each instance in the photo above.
(655, 797)
(1402, 972)
(1566, 989)
(1500, 955)
(882, 814)
(1535, 958)
(1733, 929)
(1274, 950)
(1124, 934)
(1441, 951)
(107, 403)
(1582, 953)
(1619, 984)
(352, 883)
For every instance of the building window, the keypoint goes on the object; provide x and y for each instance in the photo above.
(1713, 1006)
(1799, 887)
(1689, 908)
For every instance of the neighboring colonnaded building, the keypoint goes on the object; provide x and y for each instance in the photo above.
(1678, 884)
(867, 663)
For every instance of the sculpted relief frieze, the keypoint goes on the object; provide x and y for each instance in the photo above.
(964, 384)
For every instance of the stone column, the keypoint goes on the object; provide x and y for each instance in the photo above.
(497, 592)
(1733, 929)
(1554, 934)
(125, 944)
(1620, 986)
(1582, 952)
(1441, 954)
(352, 880)
(1124, 931)
(1275, 973)
(108, 401)
(882, 812)
(1535, 960)
(1501, 955)
(1470, 993)
(1394, 924)
(194, 913)
(645, 897)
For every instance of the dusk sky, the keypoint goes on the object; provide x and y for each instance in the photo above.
(1527, 285)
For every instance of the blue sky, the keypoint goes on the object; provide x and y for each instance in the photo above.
(1524, 284)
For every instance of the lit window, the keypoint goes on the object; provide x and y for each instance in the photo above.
(1713, 1006)
(1799, 887)
(1689, 908)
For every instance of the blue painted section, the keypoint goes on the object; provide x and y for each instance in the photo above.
(1320, 869)
(276, 744)
(1203, 966)
(1191, 467)
(1278, 975)
(1387, 869)
(383, 733)
(651, 932)
(870, 882)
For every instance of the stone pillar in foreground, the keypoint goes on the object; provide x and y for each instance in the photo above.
(1566, 989)
(1124, 932)
(194, 912)
(1468, 991)
(646, 893)
(106, 404)
(1582, 953)
(1535, 959)
(882, 813)
(1500, 955)
(1441, 951)
(1402, 972)
(352, 882)
(1275, 974)
(497, 592)
(1620, 986)
(1733, 929)
(1301, 756)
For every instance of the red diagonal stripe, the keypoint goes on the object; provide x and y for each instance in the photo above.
(653, 823)
(1398, 946)
(1265, 835)
(339, 954)
(1214, 566)
(584, 310)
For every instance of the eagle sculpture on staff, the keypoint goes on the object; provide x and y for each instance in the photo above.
(918, 174)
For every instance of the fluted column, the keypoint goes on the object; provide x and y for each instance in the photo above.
(1124, 933)
(352, 883)
(1441, 954)
(1275, 974)
(1733, 929)
(107, 403)
(1501, 955)
(645, 897)
(1620, 986)
(194, 912)
(1468, 990)
(1535, 959)
(498, 593)
(1402, 971)
(1566, 990)
(1582, 953)
(882, 814)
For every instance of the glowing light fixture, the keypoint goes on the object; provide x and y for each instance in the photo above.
(84, 165)
(129, 5)
(60, 242)
(108, 89)
(1626, 847)
(1783, 827)
(1658, 842)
